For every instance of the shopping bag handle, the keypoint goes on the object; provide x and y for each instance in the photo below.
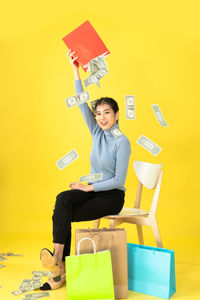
(79, 243)
(94, 234)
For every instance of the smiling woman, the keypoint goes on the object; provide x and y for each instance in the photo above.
(106, 112)
(109, 156)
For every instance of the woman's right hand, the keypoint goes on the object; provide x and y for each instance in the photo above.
(73, 59)
(75, 64)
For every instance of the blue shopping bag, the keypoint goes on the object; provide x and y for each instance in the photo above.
(151, 270)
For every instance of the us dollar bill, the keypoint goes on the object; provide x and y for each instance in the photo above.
(130, 107)
(37, 277)
(98, 70)
(10, 254)
(94, 66)
(36, 295)
(101, 73)
(97, 64)
(77, 99)
(90, 80)
(42, 273)
(28, 285)
(116, 132)
(67, 159)
(2, 266)
(149, 145)
(98, 84)
(92, 103)
(2, 258)
(91, 177)
(159, 115)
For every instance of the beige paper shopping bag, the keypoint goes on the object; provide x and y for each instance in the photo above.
(115, 240)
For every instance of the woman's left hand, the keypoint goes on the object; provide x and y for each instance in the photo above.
(82, 187)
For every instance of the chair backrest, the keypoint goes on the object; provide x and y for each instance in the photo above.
(147, 173)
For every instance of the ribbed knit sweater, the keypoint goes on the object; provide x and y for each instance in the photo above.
(109, 155)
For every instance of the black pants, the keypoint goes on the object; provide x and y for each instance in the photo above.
(76, 206)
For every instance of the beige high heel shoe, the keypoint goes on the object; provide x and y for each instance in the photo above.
(53, 284)
(48, 261)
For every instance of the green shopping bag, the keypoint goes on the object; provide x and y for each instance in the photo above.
(89, 276)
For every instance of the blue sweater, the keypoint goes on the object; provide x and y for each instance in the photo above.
(109, 155)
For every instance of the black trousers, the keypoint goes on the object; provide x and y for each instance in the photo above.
(76, 206)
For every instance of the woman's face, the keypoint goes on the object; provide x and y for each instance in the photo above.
(105, 116)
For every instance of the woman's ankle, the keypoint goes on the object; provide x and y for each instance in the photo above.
(58, 253)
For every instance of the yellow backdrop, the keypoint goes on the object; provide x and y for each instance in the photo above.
(155, 50)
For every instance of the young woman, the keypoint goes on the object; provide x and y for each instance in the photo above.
(109, 156)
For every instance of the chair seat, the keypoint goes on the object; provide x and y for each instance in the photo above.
(129, 212)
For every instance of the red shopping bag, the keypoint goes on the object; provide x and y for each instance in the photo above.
(87, 44)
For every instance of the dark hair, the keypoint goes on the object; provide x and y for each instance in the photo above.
(110, 101)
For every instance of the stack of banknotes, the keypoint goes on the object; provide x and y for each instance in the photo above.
(98, 69)
(31, 284)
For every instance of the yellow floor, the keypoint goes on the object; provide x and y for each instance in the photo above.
(19, 268)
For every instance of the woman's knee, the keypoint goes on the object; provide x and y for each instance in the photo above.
(60, 197)
(58, 205)
(61, 205)
(59, 200)
(62, 200)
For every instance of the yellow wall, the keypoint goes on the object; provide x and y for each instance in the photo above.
(155, 48)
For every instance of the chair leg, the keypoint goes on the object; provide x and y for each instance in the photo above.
(115, 222)
(157, 234)
(96, 223)
(140, 234)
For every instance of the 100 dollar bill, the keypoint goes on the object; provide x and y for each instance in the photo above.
(77, 99)
(91, 177)
(149, 145)
(130, 107)
(67, 159)
(159, 115)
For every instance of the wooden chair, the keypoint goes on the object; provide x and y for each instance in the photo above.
(150, 176)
